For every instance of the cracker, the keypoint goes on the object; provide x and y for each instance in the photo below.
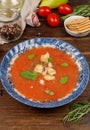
(79, 25)
(78, 21)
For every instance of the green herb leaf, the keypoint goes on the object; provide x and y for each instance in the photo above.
(31, 56)
(64, 64)
(64, 80)
(29, 75)
(49, 92)
(50, 59)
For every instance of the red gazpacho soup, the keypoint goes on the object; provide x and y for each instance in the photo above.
(44, 74)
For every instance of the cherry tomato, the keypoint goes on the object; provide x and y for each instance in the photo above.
(43, 11)
(65, 9)
(53, 19)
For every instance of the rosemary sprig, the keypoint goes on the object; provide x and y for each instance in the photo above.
(82, 10)
(78, 110)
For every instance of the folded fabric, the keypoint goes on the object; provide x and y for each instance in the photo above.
(28, 13)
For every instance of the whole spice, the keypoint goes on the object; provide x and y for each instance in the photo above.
(10, 31)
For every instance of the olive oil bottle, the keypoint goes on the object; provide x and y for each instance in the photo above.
(11, 4)
(14, 4)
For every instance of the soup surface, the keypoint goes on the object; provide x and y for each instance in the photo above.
(44, 74)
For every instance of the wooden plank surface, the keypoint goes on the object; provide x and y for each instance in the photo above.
(17, 116)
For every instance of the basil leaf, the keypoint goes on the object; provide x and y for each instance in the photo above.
(64, 64)
(47, 91)
(64, 80)
(29, 75)
(31, 56)
(50, 59)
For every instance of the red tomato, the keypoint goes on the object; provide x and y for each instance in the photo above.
(53, 19)
(65, 9)
(43, 11)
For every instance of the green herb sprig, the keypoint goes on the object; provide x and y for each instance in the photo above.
(78, 110)
(82, 10)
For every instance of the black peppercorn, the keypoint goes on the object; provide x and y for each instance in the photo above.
(10, 31)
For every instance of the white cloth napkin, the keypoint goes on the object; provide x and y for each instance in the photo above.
(28, 15)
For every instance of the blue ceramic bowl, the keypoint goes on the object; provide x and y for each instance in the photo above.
(61, 45)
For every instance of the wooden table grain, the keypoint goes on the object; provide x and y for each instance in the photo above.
(17, 116)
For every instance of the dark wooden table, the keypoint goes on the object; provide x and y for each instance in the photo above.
(17, 116)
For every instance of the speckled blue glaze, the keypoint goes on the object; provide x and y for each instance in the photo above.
(36, 42)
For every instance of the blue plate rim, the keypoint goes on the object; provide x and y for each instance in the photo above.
(53, 104)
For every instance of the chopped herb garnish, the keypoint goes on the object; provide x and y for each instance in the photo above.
(64, 64)
(47, 91)
(50, 59)
(31, 56)
(29, 75)
(64, 80)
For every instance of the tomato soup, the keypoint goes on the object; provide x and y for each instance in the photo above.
(44, 74)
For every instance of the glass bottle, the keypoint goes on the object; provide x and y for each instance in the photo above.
(14, 4)
(10, 25)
